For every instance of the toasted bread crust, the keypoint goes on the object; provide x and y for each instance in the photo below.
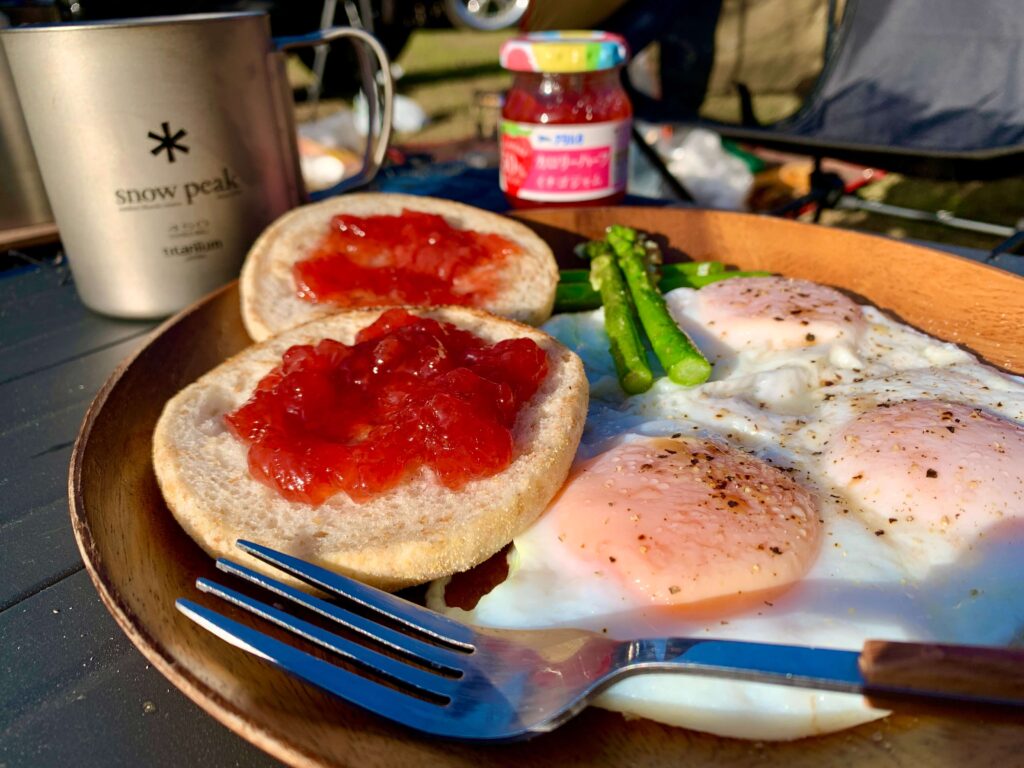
(415, 533)
(269, 300)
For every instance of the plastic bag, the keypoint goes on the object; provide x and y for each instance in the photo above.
(713, 176)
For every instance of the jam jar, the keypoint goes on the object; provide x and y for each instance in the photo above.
(566, 122)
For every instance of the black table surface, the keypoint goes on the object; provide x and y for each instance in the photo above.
(73, 690)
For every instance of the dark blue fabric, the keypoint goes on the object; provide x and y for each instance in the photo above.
(451, 181)
(685, 31)
(916, 77)
(462, 183)
(931, 75)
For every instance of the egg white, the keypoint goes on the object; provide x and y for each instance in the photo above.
(784, 406)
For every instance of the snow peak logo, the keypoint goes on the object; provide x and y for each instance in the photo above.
(167, 142)
(172, 195)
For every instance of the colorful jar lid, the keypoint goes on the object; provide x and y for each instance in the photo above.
(562, 51)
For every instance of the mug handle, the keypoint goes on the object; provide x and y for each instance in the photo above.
(375, 149)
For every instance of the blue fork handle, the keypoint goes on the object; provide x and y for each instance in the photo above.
(886, 670)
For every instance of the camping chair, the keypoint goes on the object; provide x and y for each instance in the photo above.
(931, 88)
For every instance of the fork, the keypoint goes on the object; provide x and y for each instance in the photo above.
(442, 677)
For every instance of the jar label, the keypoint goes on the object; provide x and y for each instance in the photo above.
(564, 163)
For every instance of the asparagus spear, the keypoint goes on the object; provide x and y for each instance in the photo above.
(581, 297)
(620, 321)
(682, 361)
(671, 282)
(700, 268)
(572, 276)
(576, 297)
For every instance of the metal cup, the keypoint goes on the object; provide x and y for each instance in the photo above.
(167, 144)
(22, 197)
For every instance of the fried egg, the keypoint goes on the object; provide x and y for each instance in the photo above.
(769, 314)
(841, 477)
(684, 522)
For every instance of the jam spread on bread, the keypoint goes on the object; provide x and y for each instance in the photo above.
(411, 392)
(414, 258)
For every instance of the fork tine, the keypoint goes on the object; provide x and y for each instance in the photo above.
(428, 682)
(435, 656)
(353, 688)
(439, 627)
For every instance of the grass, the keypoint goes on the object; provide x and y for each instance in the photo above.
(447, 72)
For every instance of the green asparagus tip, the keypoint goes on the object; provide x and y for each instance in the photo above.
(628, 234)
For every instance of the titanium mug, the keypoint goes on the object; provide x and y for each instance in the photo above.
(22, 197)
(167, 144)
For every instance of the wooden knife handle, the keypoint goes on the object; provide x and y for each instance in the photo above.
(969, 674)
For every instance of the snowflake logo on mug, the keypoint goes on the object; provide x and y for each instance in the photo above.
(168, 143)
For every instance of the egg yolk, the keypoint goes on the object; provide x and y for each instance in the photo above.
(777, 313)
(685, 521)
(931, 470)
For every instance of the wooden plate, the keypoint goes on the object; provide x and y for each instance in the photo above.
(140, 560)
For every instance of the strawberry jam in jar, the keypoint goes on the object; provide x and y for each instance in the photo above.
(566, 121)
